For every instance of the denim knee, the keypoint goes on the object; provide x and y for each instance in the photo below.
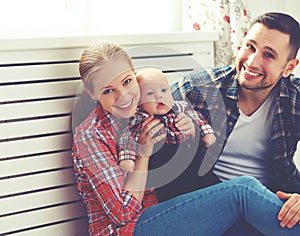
(248, 181)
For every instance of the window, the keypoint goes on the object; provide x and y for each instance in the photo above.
(35, 18)
(39, 17)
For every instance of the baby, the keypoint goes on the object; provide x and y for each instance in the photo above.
(156, 99)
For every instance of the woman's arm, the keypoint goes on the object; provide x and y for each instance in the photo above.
(136, 180)
(100, 180)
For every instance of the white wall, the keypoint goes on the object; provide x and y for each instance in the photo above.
(257, 7)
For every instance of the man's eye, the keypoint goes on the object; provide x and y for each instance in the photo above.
(164, 90)
(269, 55)
(249, 46)
(127, 81)
(107, 91)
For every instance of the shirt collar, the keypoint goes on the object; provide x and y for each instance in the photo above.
(107, 121)
(232, 87)
(283, 87)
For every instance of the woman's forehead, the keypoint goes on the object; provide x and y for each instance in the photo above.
(109, 72)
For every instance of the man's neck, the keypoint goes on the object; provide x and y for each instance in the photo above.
(251, 100)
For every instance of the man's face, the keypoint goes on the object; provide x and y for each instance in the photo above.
(263, 58)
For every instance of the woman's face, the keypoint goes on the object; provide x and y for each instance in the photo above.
(116, 88)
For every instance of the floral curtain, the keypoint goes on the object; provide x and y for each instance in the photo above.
(230, 18)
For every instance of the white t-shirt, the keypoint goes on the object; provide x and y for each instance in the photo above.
(248, 148)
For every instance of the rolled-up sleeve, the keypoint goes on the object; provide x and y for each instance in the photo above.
(101, 181)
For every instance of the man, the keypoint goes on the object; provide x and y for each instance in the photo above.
(254, 109)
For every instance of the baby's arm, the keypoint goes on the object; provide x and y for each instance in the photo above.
(127, 154)
(206, 131)
(128, 144)
(127, 165)
(208, 139)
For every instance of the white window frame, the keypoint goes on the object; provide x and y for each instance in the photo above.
(40, 18)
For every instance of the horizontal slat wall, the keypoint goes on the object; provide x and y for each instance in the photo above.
(35, 163)
(37, 195)
(35, 109)
(72, 227)
(42, 217)
(37, 93)
(32, 91)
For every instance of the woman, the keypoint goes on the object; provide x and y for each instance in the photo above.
(117, 202)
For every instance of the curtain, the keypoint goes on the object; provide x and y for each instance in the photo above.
(230, 18)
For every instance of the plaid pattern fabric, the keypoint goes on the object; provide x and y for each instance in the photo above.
(128, 140)
(111, 209)
(215, 93)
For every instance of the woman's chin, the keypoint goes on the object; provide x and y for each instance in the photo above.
(124, 113)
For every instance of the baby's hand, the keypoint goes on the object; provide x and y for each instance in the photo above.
(208, 139)
(127, 165)
(185, 124)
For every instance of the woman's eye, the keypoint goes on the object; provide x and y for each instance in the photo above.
(127, 81)
(107, 91)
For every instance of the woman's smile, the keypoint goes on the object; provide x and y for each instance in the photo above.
(126, 105)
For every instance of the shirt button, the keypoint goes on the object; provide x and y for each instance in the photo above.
(230, 124)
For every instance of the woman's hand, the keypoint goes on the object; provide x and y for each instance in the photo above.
(147, 137)
(289, 214)
(136, 180)
(185, 124)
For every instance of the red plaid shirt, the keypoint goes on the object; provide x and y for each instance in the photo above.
(111, 209)
(128, 140)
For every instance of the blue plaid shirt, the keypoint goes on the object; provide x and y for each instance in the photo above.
(215, 92)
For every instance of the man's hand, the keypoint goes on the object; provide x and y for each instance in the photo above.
(289, 214)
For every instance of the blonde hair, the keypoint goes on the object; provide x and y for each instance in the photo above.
(94, 58)
(148, 73)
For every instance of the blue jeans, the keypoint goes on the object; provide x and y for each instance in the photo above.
(213, 210)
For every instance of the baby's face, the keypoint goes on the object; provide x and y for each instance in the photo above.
(156, 97)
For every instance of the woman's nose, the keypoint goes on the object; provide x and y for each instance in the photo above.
(122, 93)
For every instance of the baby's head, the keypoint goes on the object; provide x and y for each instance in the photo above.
(156, 96)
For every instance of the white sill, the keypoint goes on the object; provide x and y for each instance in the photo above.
(9, 44)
